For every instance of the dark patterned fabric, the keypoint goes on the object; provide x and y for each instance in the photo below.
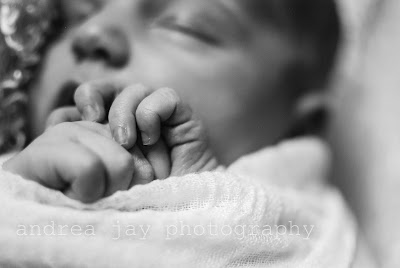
(24, 25)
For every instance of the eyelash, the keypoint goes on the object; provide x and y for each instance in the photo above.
(197, 34)
(190, 30)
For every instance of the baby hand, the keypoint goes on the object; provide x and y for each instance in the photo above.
(81, 160)
(141, 116)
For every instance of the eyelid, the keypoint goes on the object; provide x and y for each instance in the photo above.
(193, 27)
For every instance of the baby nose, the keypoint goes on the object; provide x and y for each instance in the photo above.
(107, 44)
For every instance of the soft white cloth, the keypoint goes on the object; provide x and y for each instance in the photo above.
(269, 209)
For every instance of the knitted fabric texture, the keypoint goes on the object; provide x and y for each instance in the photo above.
(269, 209)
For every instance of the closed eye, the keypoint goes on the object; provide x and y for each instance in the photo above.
(193, 29)
(194, 33)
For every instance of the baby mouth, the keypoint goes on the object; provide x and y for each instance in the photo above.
(66, 94)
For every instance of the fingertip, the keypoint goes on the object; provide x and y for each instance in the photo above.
(122, 117)
(122, 126)
(120, 135)
(89, 101)
(146, 139)
(148, 122)
(124, 136)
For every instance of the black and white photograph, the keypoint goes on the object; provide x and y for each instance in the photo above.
(199, 133)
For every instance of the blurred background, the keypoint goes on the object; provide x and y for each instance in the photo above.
(365, 131)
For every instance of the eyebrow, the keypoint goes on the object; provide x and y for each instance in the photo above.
(264, 11)
(236, 25)
(235, 13)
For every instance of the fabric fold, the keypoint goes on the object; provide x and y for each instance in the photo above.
(269, 209)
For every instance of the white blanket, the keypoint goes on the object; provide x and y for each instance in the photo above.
(269, 209)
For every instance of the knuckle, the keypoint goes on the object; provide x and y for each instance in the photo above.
(196, 129)
(92, 165)
(199, 132)
(198, 125)
(118, 117)
(146, 112)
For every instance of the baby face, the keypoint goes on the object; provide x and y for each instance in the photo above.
(228, 67)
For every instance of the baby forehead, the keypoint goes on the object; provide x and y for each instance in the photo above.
(244, 5)
(269, 11)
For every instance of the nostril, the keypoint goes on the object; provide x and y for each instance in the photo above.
(78, 52)
(101, 55)
(109, 45)
(98, 51)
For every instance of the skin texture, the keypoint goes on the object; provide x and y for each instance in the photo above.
(231, 78)
(82, 160)
(114, 61)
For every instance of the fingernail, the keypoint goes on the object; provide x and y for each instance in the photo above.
(90, 113)
(120, 135)
(146, 139)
